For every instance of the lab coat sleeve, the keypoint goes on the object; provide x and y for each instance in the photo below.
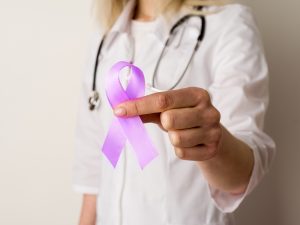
(86, 166)
(240, 93)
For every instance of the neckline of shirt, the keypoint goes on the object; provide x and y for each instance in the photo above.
(143, 26)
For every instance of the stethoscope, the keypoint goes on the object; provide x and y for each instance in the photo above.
(94, 99)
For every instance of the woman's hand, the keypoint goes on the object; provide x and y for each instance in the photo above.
(194, 128)
(193, 124)
(88, 210)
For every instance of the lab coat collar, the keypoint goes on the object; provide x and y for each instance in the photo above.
(122, 24)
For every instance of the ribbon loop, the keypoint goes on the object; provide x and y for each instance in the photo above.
(131, 128)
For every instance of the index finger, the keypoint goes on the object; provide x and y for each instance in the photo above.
(160, 102)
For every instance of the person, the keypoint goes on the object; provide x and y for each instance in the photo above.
(208, 129)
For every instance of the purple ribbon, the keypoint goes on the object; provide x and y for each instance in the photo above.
(131, 128)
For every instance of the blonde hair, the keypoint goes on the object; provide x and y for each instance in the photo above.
(106, 12)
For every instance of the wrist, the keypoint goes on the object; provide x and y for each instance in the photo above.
(231, 167)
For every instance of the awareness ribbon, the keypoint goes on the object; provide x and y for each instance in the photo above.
(123, 128)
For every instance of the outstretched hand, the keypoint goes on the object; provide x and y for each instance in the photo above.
(187, 114)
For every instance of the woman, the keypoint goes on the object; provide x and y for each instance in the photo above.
(207, 130)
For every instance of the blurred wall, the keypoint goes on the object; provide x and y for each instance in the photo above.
(42, 47)
(277, 200)
(42, 52)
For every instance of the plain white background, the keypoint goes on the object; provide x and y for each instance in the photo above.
(42, 53)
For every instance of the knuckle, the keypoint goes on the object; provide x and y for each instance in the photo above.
(136, 108)
(205, 94)
(199, 111)
(167, 120)
(164, 101)
(216, 116)
(180, 153)
(193, 90)
(216, 135)
(201, 95)
(212, 150)
(197, 92)
(213, 117)
(176, 138)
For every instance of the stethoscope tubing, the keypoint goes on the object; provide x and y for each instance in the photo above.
(199, 40)
(94, 98)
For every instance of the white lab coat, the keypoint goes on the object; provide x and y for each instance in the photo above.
(230, 64)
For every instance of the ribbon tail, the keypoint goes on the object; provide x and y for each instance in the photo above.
(137, 136)
(114, 142)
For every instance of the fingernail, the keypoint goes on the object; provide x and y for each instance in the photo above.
(179, 153)
(120, 111)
